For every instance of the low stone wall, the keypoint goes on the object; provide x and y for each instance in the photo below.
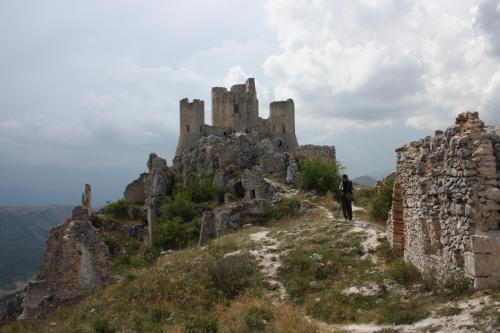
(313, 151)
(446, 202)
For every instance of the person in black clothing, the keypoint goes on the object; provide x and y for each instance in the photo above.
(346, 197)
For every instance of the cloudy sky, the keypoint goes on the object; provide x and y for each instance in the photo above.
(89, 88)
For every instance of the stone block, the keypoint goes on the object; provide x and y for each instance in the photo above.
(486, 244)
(486, 282)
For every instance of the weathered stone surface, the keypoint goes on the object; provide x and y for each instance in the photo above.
(254, 185)
(10, 307)
(446, 201)
(313, 151)
(227, 218)
(87, 199)
(75, 265)
(134, 192)
(136, 231)
(158, 185)
(292, 172)
(228, 158)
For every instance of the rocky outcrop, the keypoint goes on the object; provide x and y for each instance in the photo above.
(227, 218)
(227, 158)
(134, 192)
(445, 212)
(10, 307)
(158, 185)
(292, 172)
(75, 265)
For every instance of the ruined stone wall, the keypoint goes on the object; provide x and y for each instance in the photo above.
(282, 124)
(445, 212)
(75, 265)
(192, 123)
(305, 152)
(237, 108)
(87, 199)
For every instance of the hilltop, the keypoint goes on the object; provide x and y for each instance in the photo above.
(304, 271)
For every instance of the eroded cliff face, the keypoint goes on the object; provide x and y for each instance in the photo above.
(75, 265)
(227, 158)
(446, 202)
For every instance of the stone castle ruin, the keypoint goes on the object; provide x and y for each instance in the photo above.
(237, 110)
(446, 202)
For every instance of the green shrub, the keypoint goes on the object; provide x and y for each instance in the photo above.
(233, 274)
(130, 276)
(202, 189)
(158, 315)
(117, 209)
(172, 234)
(180, 206)
(96, 221)
(364, 196)
(256, 318)
(380, 204)
(102, 326)
(458, 285)
(203, 324)
(321, 175)
(287, 207)
(112, 244)
(404, 273)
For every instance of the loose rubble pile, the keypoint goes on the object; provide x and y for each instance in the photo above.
(446, 202)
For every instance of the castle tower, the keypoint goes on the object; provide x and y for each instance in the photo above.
(282, 123)
(237, 108)
(192, 123)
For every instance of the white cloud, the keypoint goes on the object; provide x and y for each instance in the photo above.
(420, 62)
(235, 75)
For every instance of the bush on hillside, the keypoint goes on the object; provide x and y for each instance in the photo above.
(321, 175)
(232, 274)
(202, 189)
(117, 209)
(181, 206)
(381, 202)
(173, 234)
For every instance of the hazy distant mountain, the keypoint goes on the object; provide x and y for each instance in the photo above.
(365, 180)
(23, 234)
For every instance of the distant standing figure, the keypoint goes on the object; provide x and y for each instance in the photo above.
(346, 197)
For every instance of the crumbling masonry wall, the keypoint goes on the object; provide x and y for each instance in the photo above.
(445, 212)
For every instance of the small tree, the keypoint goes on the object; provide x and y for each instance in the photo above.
(321, 175)
(381, 204)
(173, 234)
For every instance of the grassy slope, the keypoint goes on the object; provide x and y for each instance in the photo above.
(198, 289)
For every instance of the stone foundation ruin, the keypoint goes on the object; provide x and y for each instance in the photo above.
(446, 201)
